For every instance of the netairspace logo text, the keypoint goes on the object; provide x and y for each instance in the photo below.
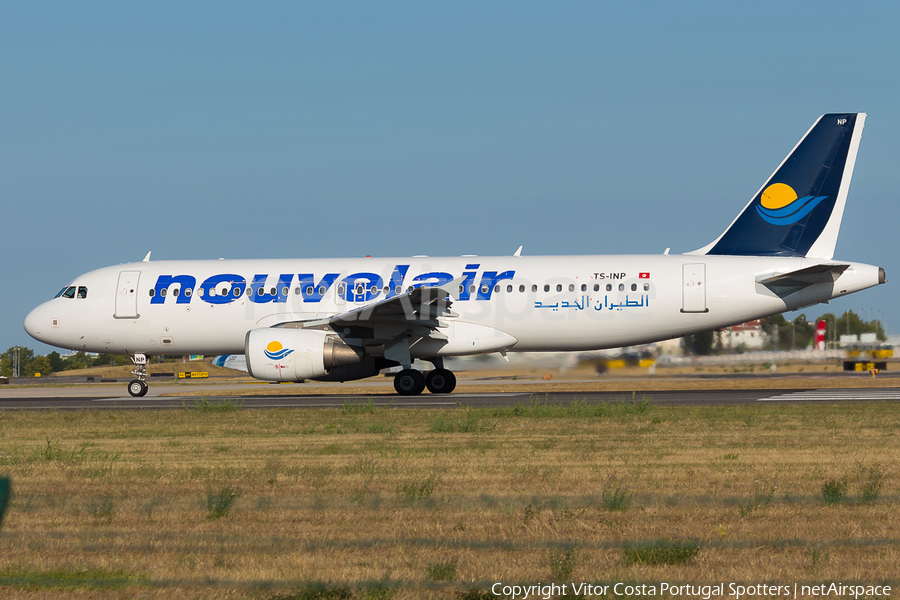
(732, 591)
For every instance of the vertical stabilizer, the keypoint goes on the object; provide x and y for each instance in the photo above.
(798, 211)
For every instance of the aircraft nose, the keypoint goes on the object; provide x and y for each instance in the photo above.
(36, 323)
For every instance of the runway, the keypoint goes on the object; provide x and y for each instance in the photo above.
(108, 398)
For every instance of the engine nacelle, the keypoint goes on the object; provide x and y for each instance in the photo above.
(288, 354)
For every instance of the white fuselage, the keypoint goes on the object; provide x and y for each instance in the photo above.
(525, 304)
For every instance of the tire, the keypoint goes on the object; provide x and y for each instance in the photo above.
(409, 382)
(137, 388)
(440, 381)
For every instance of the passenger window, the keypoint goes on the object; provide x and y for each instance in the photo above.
(224, 291)
(558, 287)
(621, 287)
(608, 287)
(237, 291)
(342, 290)
(284, 291)
(163, 292)
(322, 290)
(546, 288)
(309, 290)
(509, 288)
(534, 288)
(471, 289)
(273, 292)
(374, 289)
(646, 287)
(596, 287)
(152, 292)
(188, 292)
(496, 288)
(484, 289)
(571, 287)
(296, 291)
(175, 292)
(583, 287)
(521, 288)
(633, 287)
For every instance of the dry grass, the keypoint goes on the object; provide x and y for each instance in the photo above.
(112, 504)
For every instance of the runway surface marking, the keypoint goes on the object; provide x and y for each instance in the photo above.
(825, 395)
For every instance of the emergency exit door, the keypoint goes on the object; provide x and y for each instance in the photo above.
(694, 288)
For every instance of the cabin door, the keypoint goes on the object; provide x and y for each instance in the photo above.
(126, 295)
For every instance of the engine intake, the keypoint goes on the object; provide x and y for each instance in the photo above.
(287, 354)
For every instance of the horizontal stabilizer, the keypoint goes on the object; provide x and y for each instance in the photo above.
(785, 284)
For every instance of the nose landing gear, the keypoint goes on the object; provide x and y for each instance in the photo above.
(138, 387)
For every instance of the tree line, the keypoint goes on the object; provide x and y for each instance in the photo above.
(798, 333)
(29, 364)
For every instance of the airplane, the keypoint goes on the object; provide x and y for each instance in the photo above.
(347, 319)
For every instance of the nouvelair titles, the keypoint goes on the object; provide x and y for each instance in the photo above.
(225, 288)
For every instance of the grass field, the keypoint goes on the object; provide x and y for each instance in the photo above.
(214, 501)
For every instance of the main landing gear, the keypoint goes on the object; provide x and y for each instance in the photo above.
(411, 382)
(138, 387)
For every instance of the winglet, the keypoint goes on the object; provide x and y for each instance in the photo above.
(451, 288)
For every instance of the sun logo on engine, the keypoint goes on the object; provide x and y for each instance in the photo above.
(276, 351)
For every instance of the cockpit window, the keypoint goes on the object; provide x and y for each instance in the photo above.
(82, 291)
(60, 292)
(69, 292)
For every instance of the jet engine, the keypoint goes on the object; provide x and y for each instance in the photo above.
(289, 354)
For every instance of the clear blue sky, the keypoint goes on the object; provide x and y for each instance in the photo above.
(291, 129)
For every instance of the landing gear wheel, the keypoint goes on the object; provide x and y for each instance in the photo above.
(409, 382)
(137, 388)
(440, 381)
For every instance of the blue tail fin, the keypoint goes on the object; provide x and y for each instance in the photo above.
(799, 209)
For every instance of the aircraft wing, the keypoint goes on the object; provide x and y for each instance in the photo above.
(415, 313)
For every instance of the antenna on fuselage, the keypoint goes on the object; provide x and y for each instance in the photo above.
(147, 258)
(518, 252)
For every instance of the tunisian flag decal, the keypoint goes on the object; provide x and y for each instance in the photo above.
(644, 276)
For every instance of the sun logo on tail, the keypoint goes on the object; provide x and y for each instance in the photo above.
(276, 351)
(779, 204)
